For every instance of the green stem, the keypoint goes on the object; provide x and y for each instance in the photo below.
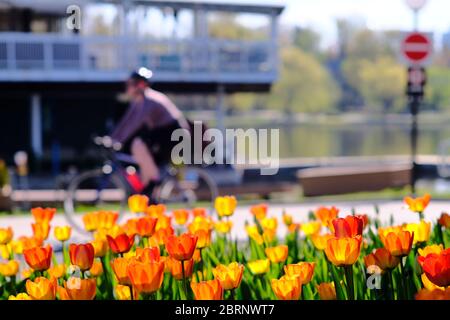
(184, 279)
(350, 285)
(403, 280)
(233, 294)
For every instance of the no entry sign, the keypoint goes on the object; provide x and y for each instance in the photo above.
(417, 47)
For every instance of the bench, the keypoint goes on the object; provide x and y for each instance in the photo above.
(343, 180)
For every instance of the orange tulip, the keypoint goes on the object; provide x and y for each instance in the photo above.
(287, 288)
(41, 288)
(160, 236)
(82, 255)
(230, 276)
(100, 220)
(277, 254)
(177, 271)
(148, 255)
(381, 258)
(146, 277)
(38, 258)
(181, 216)
(119, 266)
(181, 248)
(41, 230)
(57, 271)
(326, 215)
(145, 227)
(63, 233)
(303, 270)
(203, 238)
(100, 247)
(288, 220)
(120, 244)
(80, 289)
(138, 203)
(444, 220)
(199, 212)
(419, 204)
(343, 251)
(207, 290)
(436, 294)
(437, 267)
(97, 269)
(163, 222)
(130, 228)
(259, 211)
(6, 235)
(155, 211)
(42, 215)
(320, 241)
(326, 291)
(398, 243)
(348, 227)
(63, 295)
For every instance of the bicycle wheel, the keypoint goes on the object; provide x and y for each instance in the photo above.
(190, 187)
(91, 191)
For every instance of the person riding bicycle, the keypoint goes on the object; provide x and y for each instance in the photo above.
(147, 127)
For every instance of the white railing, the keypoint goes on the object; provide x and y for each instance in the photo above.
(43, 57)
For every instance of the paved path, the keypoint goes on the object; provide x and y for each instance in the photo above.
(21, 224)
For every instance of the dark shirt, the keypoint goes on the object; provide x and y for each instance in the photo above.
(155, 111)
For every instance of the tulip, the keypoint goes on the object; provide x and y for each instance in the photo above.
(145, 227)
(287, 288)
(106, 219)
(437, 267)
(38, 258)
(120, 244)
(27, 273)
(201, 223)
(90, 221)
(311, 228)
(207, 290)
(326, 215)
(320, 241)
(100, 247)
(81, 289)
(421, 231)
(348, 227)
(130, 228)
(9, 269)
(148, 255)
(63, 295)
(57, 271)
(398, 243)
(428, 284)
(155, 211)
(163, 222)
(20, 296)
(181, 216)
(259, 267)
(225, 206)
(269, 224)
(431, 249)
(343, 251)
(277, 254)
(364, 218)
(223, 227)
(177, 271)
(82, 255)
(419, 204)
(259, 211)
(181, 248)
(42, 215)
(62, 233)
(230, 276)
(6, 235)
(97, 269)
(160, 236)
(120, 266)
(437, 294)
(303, 270)
(287, 219)
(381, 258)
(444, 220)
(138, 203)
(203, 238)
(146, 277)
(5, 251)
(41, 289)
(41, 230)
(254, 234)
(326, 291)
(123, 292)
(199, 212)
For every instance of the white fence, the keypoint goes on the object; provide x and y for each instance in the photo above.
(55, 57)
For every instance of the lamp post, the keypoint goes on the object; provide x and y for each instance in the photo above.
(414, 100)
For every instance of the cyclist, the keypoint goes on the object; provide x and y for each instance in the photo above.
(147, 127)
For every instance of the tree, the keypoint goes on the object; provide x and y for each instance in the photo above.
(306, 39)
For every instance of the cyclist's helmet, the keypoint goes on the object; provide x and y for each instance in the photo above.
(142, 74)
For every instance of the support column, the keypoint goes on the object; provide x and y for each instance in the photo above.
(274, 40)
(36, 125)
(220, 118)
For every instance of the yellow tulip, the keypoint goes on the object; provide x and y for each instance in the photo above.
(311, 228)
(225, 206)
(437, 249)
(229, 276)
(421, 231)
(6, 235)
(62, 233)
(259, 267)
(223, 227)
(287, 288)
(123, 292)
(20, 296)
(9, 269)
(277, 254)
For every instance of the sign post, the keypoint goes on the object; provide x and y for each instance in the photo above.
(416, 49)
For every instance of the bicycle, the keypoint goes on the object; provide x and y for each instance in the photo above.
(117, 179)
